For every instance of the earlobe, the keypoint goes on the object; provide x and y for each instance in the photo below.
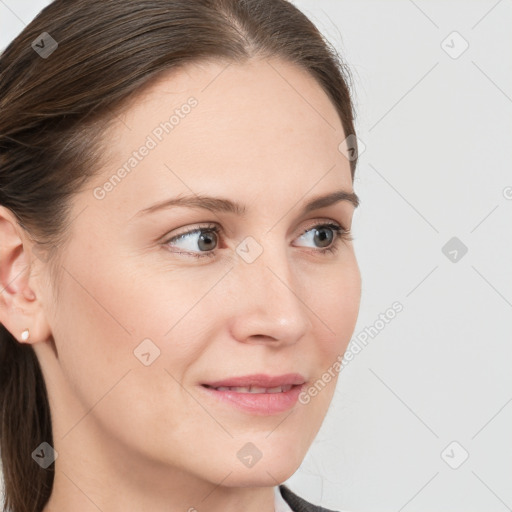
(20, 311)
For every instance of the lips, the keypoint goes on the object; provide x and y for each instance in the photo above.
(258, 394)
(258, 383)
(252, 389)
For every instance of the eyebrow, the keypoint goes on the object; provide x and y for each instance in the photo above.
(219, 204)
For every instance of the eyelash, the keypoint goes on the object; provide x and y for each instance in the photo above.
(341, 234)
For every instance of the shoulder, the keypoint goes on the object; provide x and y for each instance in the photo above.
(298, 504)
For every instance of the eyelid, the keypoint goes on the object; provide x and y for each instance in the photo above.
(219, 229)
(201, 226)
(325, 221)
(342, 234)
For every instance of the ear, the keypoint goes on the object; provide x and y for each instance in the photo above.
(20, 304)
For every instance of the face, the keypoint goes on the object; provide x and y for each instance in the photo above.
(155, 302)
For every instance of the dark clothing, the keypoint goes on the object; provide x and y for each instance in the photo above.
(298, 504)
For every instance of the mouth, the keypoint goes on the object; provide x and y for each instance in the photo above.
(257, 399)
(253, 389)
(259, 383)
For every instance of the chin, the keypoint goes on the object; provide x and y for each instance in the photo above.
(276, 467)
(266, 476)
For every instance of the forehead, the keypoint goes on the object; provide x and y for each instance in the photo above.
(207, 125)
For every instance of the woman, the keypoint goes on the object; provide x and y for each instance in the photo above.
(178, 278)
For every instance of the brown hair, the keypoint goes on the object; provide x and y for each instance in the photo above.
(54, 109)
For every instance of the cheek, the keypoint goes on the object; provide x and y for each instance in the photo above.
(336, 307)
(92, 336)
(98, 329)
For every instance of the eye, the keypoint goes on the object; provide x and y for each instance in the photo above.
(202, 241)
(205, 238)
(327, 236)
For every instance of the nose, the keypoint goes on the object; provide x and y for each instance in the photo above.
(269, 302)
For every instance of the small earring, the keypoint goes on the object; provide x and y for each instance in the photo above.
(25, 334)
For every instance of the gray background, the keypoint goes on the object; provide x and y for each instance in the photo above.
(434, 385)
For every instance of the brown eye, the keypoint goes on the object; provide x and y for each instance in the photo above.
(327, 237)
(207, 240)
(196, 241)
(323, 236)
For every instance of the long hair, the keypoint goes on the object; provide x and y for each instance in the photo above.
(61, 80)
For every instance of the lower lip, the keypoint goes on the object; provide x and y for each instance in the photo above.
(258, 403)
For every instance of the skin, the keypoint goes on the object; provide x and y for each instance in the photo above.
(135, 437)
